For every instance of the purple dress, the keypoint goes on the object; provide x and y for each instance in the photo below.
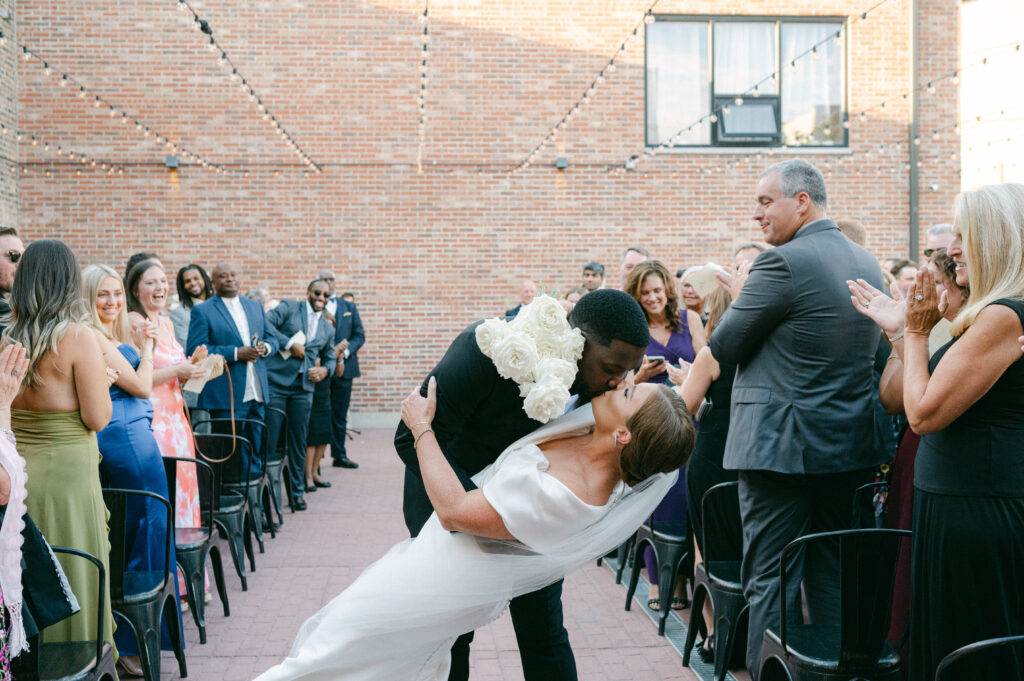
(670, 516)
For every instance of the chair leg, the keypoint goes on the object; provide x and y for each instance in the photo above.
(286, 476)
(696, 621)
(196, 604)
(218, 576)
(171, 616)
(622, 555)
(723, 647)
(148, 642)
(255, 527)
(247, 542)
(233, 536)
(268, 510)
(634, 575)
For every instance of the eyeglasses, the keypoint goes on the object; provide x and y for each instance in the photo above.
(13, 256)
(326, 278)
(928, 252)
(320, 294)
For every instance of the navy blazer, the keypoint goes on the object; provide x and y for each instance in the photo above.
(283, 322)
(348, 325)
(212, 325)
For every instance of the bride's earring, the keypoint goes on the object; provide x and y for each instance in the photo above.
(615, 439)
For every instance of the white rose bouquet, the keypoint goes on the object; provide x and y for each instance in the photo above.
(539, 351)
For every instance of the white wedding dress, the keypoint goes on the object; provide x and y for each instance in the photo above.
(399, 619)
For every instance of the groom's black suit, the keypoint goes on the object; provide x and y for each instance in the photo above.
(479, 414)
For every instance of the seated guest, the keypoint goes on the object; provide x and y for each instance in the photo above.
(63, 403)
(130, 456)
(593, 276)
(193, 286)
(675, 336)
(309, 360)
(235, 328)
(527, 292)
(11, 249)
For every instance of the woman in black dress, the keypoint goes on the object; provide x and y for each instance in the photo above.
(968, 402)
(319, 435)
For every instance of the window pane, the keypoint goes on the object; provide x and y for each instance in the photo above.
(677, 81)
(744, 54)
(812, 93)
(753, 118)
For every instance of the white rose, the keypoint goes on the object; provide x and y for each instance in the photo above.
(548, 316)
(555, 369)
(570, 346)
(546, 401)
(525, 388)
(490, 333)
(525, 320)
(515, 356)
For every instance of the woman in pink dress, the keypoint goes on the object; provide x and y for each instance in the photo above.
(146, 289)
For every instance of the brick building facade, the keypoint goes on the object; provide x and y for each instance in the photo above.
(428, 252)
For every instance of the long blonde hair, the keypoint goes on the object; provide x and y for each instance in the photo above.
(991, 222)
(92, 276)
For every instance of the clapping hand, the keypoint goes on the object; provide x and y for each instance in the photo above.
(418, 411)
(199, 354)
(923, 305)
(142, 333)
(13, 364)
(112, 376)
(888, 313)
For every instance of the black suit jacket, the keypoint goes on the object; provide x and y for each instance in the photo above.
(479, 414)
(349, 326)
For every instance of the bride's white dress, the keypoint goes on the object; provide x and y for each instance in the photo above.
(399, 619)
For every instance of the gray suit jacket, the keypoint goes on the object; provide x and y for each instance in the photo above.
(283, 322)
(801, 401)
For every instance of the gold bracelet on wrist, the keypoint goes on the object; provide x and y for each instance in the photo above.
(416, 442)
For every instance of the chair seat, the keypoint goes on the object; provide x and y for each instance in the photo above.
(230, 503)
(142, 586)
(725, 575)
(68, 660)
(186, 538)
(818, 645)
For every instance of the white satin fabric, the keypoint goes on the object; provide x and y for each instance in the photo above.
(399, 619)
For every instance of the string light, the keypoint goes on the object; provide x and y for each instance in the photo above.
(424, 78)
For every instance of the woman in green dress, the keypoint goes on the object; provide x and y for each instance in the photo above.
(63, 403)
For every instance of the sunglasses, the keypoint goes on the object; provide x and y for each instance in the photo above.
(928, 252)
(320, 294)
(13, 256)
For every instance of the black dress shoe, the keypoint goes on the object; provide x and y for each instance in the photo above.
(300, 505)
(344, 463)
(321, 483)
(310, 488)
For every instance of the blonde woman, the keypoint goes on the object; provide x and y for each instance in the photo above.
(55, 419)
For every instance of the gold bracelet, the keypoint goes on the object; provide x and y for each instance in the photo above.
(419, 423)
(416, 442)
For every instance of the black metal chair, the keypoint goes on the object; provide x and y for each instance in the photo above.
(193, 545)
(230, 510)
(75, 660)
(857, 645)
(671, 545)
(1006, 653)
(144, 598)
(622, 554)
(718, 576)
(277, 467)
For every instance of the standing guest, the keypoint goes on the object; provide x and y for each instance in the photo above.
(675, 337)
(318, 435)
(136, 258)
(691, 299)
(11, 249)
(63, 404)
(348, 339)
(968, 402)
(593, 276)
(804, 440)
(746, 253)
(309, 360)
(330, 281)
(130, 456)
(193, 286)
(349, 297)
(261, 295)
(527, 292)
(573, 295)
(235, 328)
(146, 290)
(854, 231)
(939, 236)
(904, 273)
(631, 257)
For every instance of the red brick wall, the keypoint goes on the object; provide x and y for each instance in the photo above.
(8, 118)
(428, 253)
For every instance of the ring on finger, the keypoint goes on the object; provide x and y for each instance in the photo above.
(15, 372)
(918, 297)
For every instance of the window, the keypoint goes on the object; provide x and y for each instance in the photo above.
(750, 74)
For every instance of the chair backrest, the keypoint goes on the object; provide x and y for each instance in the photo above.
(99, 594)
(226, 453)
(279, 450)
(867, 510)
(117, 502)
(204, 479)
(223, 426)
(867, 570)
(722, 527)
(1010, 650)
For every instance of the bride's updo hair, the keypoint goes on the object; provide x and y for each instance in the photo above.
(663, 437)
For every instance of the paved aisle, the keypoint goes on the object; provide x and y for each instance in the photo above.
(322, 550)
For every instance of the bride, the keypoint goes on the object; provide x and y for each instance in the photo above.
(561, 496)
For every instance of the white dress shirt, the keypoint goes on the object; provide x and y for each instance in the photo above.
(253, 391)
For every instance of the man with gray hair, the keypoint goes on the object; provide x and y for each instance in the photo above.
(939, 236)
(802, 434)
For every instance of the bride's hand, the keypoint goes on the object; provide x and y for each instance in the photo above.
(417, 411)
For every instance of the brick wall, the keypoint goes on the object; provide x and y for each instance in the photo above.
(8, 117)
(428, 253)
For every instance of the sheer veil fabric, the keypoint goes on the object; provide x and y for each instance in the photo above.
(398, 620)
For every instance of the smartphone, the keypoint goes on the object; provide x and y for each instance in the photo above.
(655, 358)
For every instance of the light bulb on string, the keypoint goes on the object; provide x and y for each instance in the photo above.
(46, 69)
(81, 92)
(648, 19)
(63, 81)
(738, 101)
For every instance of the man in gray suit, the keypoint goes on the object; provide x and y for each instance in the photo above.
(307, 360)
(801, 429)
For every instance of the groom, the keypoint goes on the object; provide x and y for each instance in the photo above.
(479, 414)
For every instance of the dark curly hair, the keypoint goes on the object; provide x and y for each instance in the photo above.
(947, 266)
(606, 314)
(635, 283)
(184, 297)
(663, 437)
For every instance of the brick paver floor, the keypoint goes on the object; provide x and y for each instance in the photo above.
(320, 551)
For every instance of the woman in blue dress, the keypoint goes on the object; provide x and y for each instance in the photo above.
(130, 455)
(676, 337)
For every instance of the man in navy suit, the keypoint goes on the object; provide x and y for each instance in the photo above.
(308, 359)
(348, 338)
(235, 327)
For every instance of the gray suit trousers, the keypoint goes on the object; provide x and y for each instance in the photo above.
(776, 509)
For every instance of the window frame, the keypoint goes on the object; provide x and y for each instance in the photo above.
(779, 72)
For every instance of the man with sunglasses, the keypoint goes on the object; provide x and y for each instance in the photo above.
(11, 249)
(305, 359)
(939, 236)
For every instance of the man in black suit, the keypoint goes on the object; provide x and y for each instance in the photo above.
(479, 414)
(348, 338)
(802, 428)
(11, 249)
(527, 292)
